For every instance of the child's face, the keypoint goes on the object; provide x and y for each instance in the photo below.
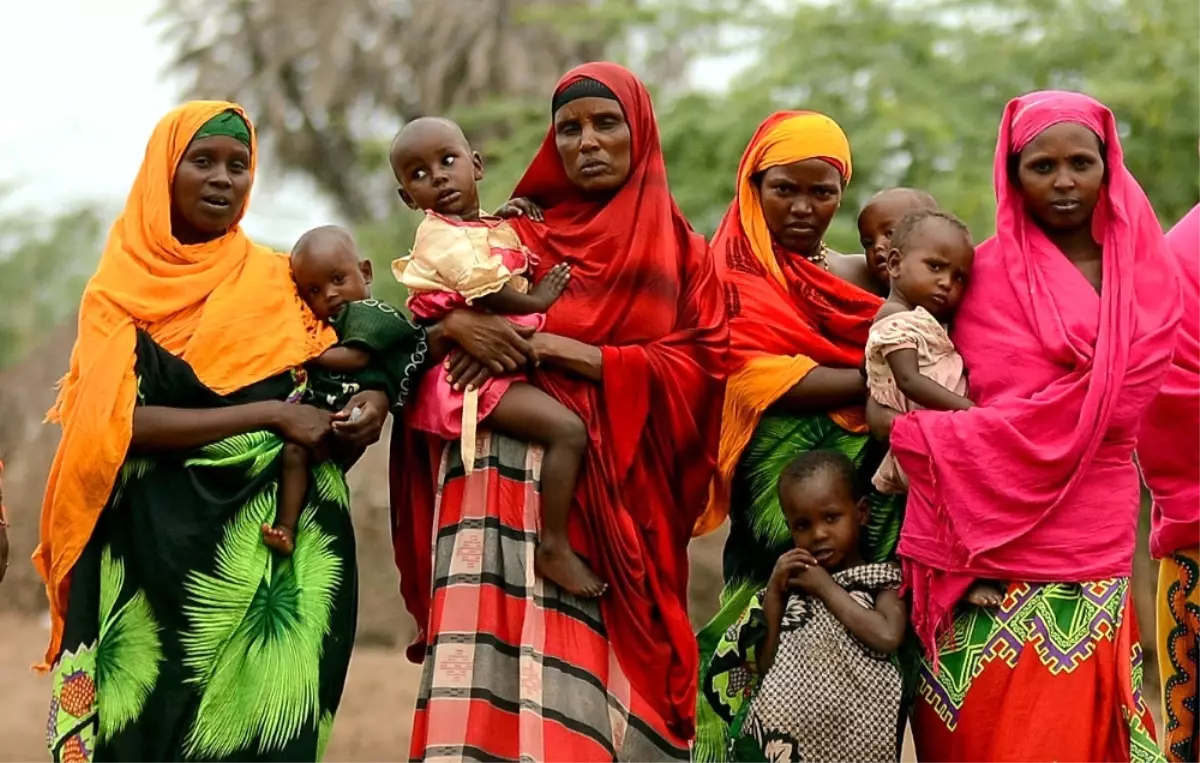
(934, 269)
(329, 275)
(438, 171)
(875, 225)
(824, 518)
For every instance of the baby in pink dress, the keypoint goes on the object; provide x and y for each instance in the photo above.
(911, 362)
(481, 264)
(461, 259)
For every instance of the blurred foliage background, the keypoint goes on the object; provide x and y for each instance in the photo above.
(918, 86)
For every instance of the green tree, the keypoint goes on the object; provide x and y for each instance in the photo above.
(44, 264)
(919, 87)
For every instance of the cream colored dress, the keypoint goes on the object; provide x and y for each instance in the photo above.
(452, 264)
(937, 359)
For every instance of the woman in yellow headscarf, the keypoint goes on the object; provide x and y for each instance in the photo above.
(799, 317)
(176, 633)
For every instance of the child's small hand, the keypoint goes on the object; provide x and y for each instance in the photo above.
(520, 207)
(809, 576)
(552, 285)
(792, 563)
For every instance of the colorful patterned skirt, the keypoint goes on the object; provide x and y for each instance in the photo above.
(758, 535)
(1054, 674)
(1179, 653)
(187, 638)
(516, 669)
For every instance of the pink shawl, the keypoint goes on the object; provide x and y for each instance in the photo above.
(1038, 482)
(1169, 444)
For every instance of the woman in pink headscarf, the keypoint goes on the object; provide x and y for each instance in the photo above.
(1169, 454)
(1068, 331)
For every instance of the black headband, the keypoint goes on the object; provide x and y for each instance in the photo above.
(581, 88)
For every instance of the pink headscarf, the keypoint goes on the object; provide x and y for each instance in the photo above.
(1170, 439)
(1038, 482)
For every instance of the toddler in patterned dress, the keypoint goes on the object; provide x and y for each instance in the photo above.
(910, 360)
(822, 636)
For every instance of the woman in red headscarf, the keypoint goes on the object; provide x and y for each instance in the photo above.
(515, 667)
(1068, 330)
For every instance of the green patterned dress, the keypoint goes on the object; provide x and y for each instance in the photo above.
(758, 535)
(186, 638)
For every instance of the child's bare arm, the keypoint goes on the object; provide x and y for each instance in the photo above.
(509, 301)
(518, 207)
(920, 388)
(880, 629)
(343, 360)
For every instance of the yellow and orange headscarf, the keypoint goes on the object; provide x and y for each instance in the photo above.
(227, 307)
(784, 138)
(786, 317)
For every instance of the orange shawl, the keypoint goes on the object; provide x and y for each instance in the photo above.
(227, 307)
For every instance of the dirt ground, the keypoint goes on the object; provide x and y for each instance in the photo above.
(373, 723)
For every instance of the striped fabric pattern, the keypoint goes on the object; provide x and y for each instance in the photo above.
(516, 669)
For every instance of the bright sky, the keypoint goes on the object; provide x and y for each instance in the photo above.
(81, 99)
(83, 96)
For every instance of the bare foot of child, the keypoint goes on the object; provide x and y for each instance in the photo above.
(557, 562)
(280, 538)
(985, 594)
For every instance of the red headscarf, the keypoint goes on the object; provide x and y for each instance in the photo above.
(644, 291)
(1037, 482)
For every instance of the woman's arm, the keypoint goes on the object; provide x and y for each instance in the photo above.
(823, 389)
(361, 430)
(157, 427)
(571, 355)
(161, 428)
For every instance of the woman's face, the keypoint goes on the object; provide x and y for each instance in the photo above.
(211, 183)
(799, 201)
(1060, 174)
(594, 143)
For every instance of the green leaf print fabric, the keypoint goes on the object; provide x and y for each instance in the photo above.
(758, 535)
(187, 638)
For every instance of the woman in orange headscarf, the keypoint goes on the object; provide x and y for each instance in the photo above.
(176, 633)
(799, 315)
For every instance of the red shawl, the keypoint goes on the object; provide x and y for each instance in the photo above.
(644, 291)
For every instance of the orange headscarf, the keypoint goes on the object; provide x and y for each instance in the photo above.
(227, 307)
(786, 315)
